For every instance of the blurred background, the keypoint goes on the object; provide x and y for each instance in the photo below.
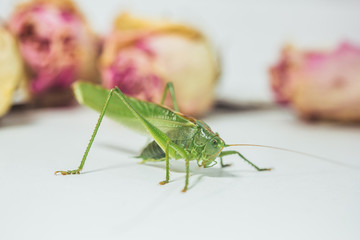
(248, 35)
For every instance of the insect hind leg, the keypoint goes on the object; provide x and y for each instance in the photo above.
(170, 88)
(101, 116)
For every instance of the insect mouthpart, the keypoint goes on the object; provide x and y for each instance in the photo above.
(206, 164)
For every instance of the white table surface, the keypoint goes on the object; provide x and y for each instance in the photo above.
(117, 198)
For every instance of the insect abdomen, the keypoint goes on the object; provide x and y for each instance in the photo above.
(152, 151)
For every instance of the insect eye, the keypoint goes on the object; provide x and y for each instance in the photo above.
(214, 142)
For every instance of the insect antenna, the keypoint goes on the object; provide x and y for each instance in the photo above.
(294, 151)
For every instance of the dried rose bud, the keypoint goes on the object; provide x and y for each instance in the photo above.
(57, 46)
(12, 71)
(141, 56)
(319, 85)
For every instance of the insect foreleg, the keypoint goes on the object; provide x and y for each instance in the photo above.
(77, 171)
(222, 163)
(227, 153)
(170, 88)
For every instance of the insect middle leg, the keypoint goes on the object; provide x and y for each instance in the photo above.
(167, 178)
(227, 153)
(187, 175)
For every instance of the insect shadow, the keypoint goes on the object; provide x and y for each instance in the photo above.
(196, 172)
(121, 149)
(114, 147)
(176, 166)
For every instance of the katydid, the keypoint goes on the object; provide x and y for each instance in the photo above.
(175, 135)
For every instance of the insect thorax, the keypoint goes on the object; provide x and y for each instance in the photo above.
(199, 142)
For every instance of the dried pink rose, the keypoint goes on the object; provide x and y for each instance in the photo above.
(141, 56)
(319, 85)
(56, 44)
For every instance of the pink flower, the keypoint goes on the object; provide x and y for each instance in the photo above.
(319, 85)
(141, 56)
(55, 42)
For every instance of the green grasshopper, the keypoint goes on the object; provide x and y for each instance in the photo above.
(175, 135)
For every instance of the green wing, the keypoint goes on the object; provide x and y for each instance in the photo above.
(166, 120)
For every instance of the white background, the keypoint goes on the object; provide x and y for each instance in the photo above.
(117, 198)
